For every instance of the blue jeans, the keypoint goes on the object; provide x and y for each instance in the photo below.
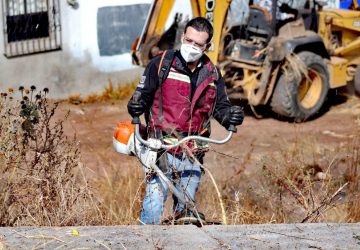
(184, 174)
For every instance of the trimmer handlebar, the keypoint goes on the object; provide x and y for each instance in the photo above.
(157, 144)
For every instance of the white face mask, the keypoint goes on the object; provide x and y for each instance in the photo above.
(190, 53)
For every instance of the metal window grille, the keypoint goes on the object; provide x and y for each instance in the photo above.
(31, 26)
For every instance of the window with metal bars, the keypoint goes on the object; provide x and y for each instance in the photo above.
(31, 26)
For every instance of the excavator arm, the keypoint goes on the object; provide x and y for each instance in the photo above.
(150, 42)
(355, 5)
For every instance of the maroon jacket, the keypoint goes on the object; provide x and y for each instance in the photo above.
(188, 98)
(181, 112)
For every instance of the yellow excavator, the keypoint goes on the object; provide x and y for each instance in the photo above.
(340, 30)
(288, 64)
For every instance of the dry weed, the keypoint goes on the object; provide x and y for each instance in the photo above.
(303, 183)
(352, 176)
(294, 67)
(41, 183)
(120, 92)
(120, 194)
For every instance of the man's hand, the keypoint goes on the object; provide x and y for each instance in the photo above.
(236, 115)
(285, 8)
(135, 108)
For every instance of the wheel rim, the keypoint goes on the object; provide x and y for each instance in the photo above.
(310, 89)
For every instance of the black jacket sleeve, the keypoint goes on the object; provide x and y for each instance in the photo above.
(222, 104)
(149, 83)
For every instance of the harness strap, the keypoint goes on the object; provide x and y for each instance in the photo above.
(163, 71)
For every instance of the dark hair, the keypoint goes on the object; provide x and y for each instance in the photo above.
(201, 24)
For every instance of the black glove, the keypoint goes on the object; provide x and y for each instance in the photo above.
(236, 115)
(285, 8)
(135, 108)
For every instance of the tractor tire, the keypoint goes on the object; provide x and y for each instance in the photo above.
(357, 81)
(299, 99)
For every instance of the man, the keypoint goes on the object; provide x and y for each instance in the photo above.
(192, 93)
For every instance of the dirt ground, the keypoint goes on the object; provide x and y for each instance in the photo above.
(94, 124)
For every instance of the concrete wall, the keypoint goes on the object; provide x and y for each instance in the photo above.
(78, 67)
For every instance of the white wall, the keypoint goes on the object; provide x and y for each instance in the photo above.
(77, 68)
(85, 44)
(83, 22)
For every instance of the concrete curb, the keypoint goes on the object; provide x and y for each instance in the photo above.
(265, 236)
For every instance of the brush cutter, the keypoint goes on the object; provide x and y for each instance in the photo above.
(128, 140)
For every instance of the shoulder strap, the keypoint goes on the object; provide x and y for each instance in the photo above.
(215, 73)
(163, 72)
(213, 69)
(165, 64)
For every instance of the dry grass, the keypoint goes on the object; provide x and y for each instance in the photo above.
(352, 176)
(301, 183)
(111, 92)
(294, 67)
(41, 181)
(120, 193)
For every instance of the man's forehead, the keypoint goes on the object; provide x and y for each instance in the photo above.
(197, 34)
(193, 30)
